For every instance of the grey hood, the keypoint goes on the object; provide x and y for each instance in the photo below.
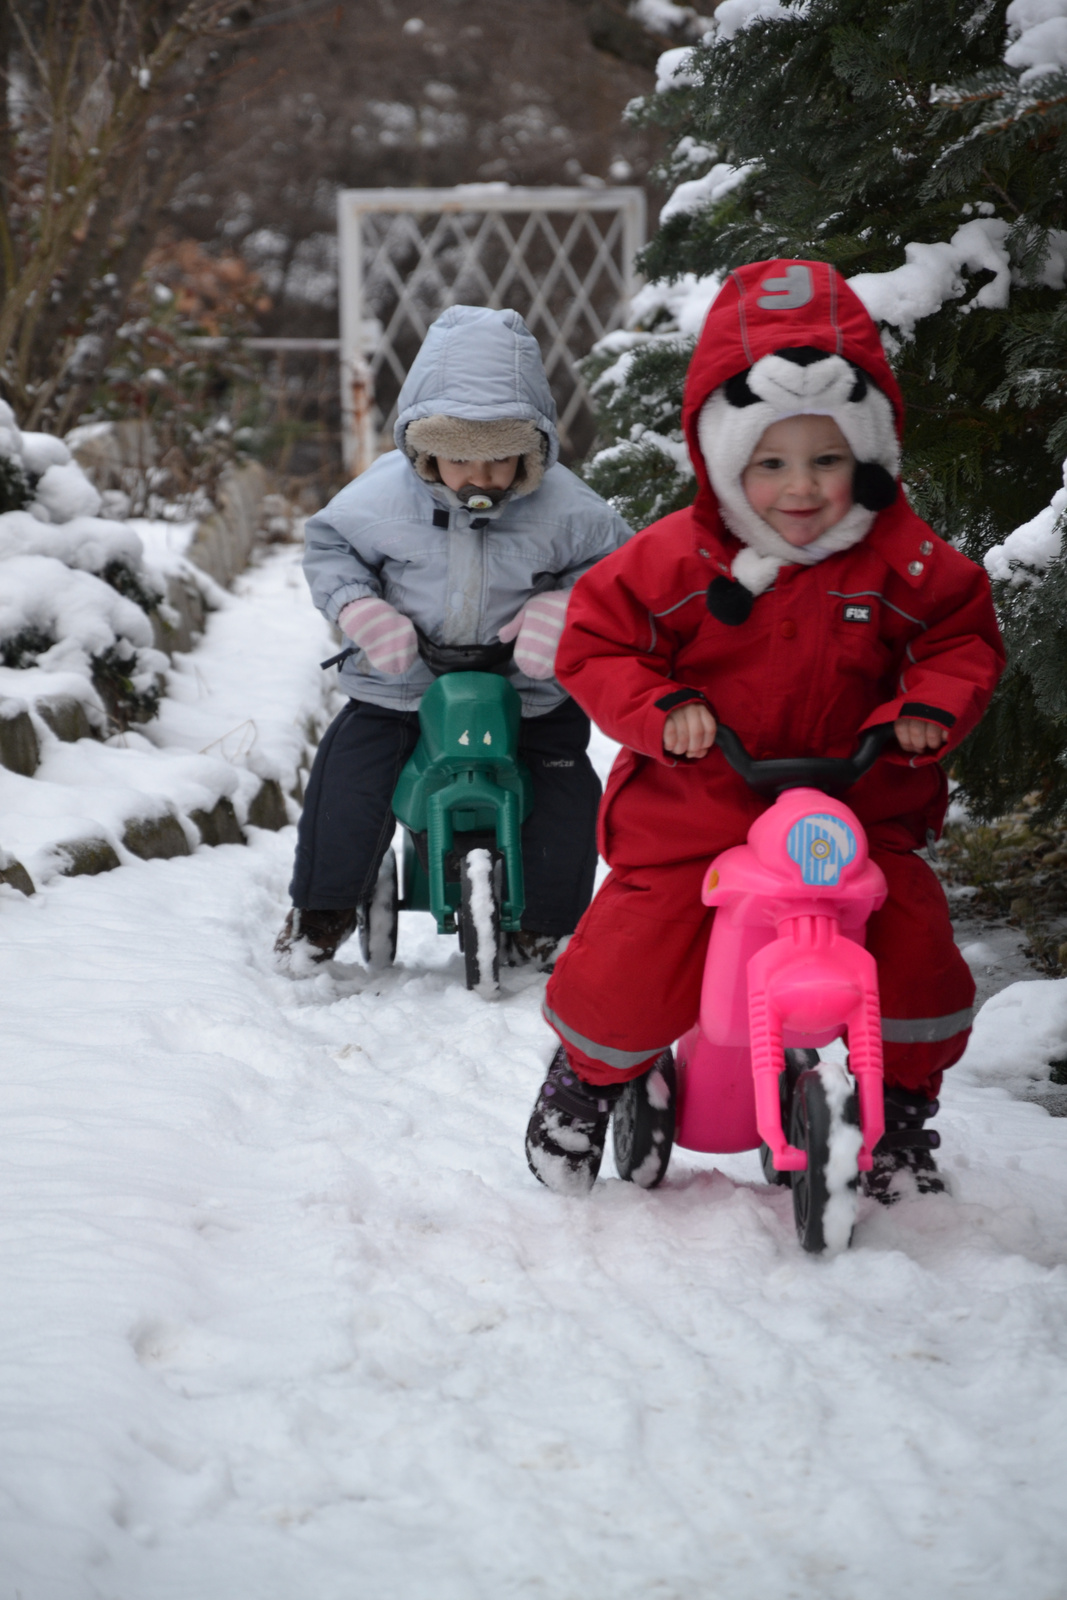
(483, 366)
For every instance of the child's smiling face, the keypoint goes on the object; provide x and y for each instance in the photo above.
(799, 477)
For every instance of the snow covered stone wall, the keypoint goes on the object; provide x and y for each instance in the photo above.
(115, 740)
(77, 645)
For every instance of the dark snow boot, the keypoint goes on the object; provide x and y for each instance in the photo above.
(311, 937)
(565, 1138)
(526, 948)
(905, 1148)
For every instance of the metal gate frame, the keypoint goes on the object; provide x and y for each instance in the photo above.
(484, 201)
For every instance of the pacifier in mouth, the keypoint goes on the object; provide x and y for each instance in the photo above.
(476, 499)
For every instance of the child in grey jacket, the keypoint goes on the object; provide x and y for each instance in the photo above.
(469, 532)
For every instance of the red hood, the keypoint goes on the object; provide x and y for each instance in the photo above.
(768, 306)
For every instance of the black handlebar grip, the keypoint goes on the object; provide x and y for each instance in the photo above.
(443, 658)
(829, 773)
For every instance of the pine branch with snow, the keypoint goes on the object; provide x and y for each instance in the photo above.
(636, 380)
(826, 130)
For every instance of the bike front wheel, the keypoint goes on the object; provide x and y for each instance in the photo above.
(480, 884)
(824, 1122)
(796, 1062)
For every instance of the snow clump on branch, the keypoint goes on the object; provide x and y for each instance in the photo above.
(1038, 33)
(933, 274)
(696, 193)
(734, 15)
(1028, 553)
(675, 68)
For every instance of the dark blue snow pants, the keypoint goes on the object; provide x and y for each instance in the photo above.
(347, 822)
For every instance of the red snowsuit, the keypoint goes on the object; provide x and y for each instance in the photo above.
(899, 625)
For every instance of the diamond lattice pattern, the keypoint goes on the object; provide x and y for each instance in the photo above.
(568, 271)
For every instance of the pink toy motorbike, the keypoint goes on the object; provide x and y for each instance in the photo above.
(786, 973)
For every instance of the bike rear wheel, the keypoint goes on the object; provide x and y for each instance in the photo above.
(379, 917)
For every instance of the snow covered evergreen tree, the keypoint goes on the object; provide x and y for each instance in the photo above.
(921, 146)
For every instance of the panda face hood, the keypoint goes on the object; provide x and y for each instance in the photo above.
(787, 338)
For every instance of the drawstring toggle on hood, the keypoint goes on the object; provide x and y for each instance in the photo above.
(729, 601)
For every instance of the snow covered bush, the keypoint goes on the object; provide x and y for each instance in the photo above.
(75, 596)
(921, 146)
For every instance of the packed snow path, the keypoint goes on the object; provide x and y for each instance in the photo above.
(285, 1316)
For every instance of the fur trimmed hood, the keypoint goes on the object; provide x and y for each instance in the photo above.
(478, 367)
(461, 439)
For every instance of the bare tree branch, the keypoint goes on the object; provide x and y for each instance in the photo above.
(98, 73)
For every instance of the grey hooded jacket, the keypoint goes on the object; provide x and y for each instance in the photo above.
(459, 575)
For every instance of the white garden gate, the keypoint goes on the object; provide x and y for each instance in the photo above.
(562, 257)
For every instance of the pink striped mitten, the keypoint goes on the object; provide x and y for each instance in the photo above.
(386, 638)
(538, 626)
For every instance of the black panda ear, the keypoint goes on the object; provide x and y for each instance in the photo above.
(859, 388)
(737, 391)
(729, 602)
(873, 487)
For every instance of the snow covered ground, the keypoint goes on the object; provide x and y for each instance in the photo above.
(285, 1317)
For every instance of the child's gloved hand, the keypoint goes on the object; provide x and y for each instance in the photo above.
(538, 627)
(689, 731)
(387, 639)
(916, 736)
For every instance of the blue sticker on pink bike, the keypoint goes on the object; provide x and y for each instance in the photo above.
(821, 847)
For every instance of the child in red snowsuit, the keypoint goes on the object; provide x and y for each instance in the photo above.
(800, 600)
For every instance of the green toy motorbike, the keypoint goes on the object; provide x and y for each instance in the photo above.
(462, 799)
